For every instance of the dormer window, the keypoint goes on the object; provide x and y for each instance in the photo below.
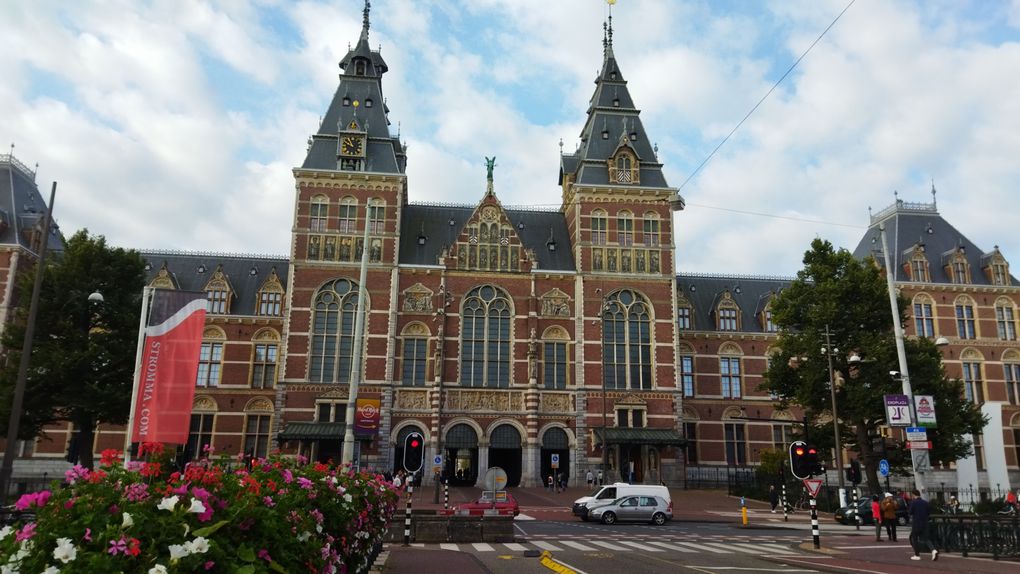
(919, 266)
(959, 269)
(368, 102)
(359, 68)
(996, 268)
(623, 167)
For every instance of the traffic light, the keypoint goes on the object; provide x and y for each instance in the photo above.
(804, 460)
(853, 474)
(414, 452)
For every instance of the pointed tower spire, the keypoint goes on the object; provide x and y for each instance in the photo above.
(364, 20)
(610, 37)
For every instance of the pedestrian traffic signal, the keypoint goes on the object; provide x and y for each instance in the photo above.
(414, 452)
(804, 460)
(853, 473)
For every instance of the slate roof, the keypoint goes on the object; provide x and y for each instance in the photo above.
(908, 224)
(22, 206)
(750, 293)
(612, 118)
(384, 153)
(434, 221)
(245, 273)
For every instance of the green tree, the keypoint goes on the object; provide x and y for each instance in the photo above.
(848, 296)
(83, 353)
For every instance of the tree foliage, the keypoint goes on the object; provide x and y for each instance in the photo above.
(83, 353)
(848, 296)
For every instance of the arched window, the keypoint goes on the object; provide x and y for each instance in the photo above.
(218, 293)
(924, 316)
(485, 332)
(728, 315)
(347, 215)
(730, 371)
(554, 358)
(415, 354)
(973, 383)
(377, 217)
(271, 296)
(210, 358)
(318, 214)
(265, 348)
(258, 415)
(626, 341)
(651, 230)
(959, 268)
(200, 431)
(625, 228)
(598, 227)
(1011, 374)
(686, 374)
(332, 349)
(1005, 320)
(919, 266)
(965, 326)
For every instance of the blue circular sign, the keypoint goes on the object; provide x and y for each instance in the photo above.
(883, 467)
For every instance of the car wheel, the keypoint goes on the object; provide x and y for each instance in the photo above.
(659, 519)
(609, 518)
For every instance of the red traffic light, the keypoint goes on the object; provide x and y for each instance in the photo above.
(812, 451)
(414, 443)
(799, 451)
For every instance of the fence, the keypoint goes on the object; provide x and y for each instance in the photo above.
(19, 486)
(966, 534)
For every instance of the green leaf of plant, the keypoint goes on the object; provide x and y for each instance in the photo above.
(275, 566)
(205, 532)
(246, 553)
(248, 569)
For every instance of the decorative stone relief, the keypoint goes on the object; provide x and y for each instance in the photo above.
(412, 400)
(417, 299)
(500, 401)
(558, 403)
(555, 303)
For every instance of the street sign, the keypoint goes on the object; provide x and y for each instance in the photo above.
(921, 461)
(883, 467)
(917, 434)
(813, 485)
(437, 464)
(555, 460)
(897, 410)
(919, 445)
(924, 405)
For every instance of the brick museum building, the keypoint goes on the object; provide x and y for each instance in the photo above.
(506, 335)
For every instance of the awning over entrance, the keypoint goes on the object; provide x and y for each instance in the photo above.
(311, 430)
(622, 435)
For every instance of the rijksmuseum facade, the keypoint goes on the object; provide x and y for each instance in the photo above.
(507, 335)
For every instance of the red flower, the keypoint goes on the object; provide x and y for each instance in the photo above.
(150, 469)
(134, 547)
(109, 457)
(150, 448)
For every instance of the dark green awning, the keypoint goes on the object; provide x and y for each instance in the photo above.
(623, 435)
(317, 431)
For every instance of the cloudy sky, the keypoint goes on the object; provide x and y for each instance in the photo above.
(175, 124)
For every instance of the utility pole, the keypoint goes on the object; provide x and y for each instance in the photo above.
(359, 341)
(835, 415)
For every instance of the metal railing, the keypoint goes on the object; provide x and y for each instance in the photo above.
(967, 534)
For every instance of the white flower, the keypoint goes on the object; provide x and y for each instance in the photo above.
(347, 498)
(304, 536)
(65, 550)
(178, 551)
(157, 569)
(196, 506)
(5, 532)
(127, 521)
(318, 528)
(5, 569)
(51, 570)
(168, 503)
(197, 546)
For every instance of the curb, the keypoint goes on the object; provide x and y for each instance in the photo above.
(377, 565)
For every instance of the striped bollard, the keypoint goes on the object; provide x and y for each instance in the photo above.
(407, 515)
(857, 506)
(814, 523)
(786, 514)
(446, 495)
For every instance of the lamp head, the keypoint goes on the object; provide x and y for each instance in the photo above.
(96, 297)
(941, 342)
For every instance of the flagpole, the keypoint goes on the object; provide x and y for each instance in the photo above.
(347, 454)
(129, 430)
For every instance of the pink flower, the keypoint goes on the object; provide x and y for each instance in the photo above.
(305, 483)
(268, 501)
(209, 565)
(118, 546)
(288, 477)
(88, 535)
(26, 532)
(264, 554)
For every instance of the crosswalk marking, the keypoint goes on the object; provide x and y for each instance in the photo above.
(640, 546)
(608, 545)
(576, 545)
(547, 546)
(778, 548)
(704, 547)
(515, 547)
(449, 547)
(483, 547)
(669, 546)
(733, 546)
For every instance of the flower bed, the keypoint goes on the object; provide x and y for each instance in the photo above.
(276, 515)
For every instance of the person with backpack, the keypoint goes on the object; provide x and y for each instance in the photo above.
(888, 508)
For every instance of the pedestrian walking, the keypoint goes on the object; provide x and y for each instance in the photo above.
(590, 478)
(773, 497)
(888, 508)
(919, 513)
(549, 484)
(600, 477)
(562, 481)
(876, 514)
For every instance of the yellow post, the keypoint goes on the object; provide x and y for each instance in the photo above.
(743, 511)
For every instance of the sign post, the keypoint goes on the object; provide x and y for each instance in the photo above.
(554, 460)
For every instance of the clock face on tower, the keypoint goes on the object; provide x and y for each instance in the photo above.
(352, 146)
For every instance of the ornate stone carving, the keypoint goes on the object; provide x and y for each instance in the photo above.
(496, 401)
(412, 400)
(555, 403)
(517, 402)
(555, 303)
(417, 299)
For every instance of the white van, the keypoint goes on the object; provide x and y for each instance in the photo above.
(610, 492)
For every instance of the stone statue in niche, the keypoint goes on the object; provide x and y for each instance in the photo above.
(532, 358)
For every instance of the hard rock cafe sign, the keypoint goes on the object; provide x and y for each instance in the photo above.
(366, 416)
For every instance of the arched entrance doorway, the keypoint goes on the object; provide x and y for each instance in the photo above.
(398, 449)
(505, 452)
(555, 441)
(461, 455)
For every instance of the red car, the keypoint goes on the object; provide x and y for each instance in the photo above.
(500, 500)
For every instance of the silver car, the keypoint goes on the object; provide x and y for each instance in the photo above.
(634, 509)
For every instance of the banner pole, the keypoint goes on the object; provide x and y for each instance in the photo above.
(129, 430)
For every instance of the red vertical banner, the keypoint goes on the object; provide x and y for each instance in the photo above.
(166, 383)
(366, 416)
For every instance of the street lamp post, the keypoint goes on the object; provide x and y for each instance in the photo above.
(347, 455)
(829, 351)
